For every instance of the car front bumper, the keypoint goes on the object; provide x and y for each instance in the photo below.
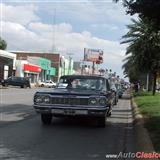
(72, 110)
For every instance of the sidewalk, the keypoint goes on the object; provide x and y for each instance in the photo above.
(1, 87)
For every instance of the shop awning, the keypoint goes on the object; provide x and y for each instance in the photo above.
(32, 68)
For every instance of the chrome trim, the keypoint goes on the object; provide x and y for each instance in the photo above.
(71, 107)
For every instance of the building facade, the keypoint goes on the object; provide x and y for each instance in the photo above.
(53, 65)
(7, 64)
(54, 62)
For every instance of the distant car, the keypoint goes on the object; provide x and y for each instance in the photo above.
(47, 83)
(120, 90)
(115, 90)
(16, 81)
(76, 95)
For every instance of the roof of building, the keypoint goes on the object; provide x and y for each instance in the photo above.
(7, 54)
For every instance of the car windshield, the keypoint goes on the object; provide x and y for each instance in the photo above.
(82, 83)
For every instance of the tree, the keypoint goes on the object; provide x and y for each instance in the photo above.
(144, 47)
(3, 44)
(149, 9)
(130, 69)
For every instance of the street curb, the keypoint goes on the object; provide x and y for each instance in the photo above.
(144, 141)
(1, 87)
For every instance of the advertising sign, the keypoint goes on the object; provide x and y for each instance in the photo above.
(93, 55)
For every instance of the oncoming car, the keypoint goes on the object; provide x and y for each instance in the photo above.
(76, 95)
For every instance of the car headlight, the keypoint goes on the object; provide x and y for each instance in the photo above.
(92, 101)
(38, 99)
(46, 99)
(103, 101)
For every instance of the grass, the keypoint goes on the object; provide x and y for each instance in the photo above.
(150, 107)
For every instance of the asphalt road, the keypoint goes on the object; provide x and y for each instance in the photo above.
(23, 137)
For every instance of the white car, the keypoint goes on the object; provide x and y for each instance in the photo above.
(47, 83)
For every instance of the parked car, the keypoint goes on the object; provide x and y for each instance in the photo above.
(76, 95)
(16, 81)
(47, 83)
(114, 89)
(119, 90)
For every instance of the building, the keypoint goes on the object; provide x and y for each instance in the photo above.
(54, 61)
(66, 66)
(26, 69)
(58, 64)
(7, 64)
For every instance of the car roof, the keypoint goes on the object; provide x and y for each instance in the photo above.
(82, 76)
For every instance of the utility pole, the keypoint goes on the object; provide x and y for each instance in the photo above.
(147, 85)
(54, 32)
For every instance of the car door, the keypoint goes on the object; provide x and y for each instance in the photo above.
(14, 81)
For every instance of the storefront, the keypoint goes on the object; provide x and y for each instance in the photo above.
(32, 72)
(47, 72)
(25, 69)
(7, 64)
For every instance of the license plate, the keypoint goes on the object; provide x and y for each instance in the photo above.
(69, 112)
(81, 112)
(58, 111)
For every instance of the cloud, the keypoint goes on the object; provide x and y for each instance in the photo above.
(110, 27)
(19, 37)
(19, 14)
(32, 34)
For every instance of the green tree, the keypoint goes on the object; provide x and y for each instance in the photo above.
(144, 47)
(3, 44)
(149, 9)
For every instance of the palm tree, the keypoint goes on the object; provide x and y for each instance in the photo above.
(144, 47)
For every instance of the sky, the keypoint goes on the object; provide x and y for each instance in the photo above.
(67, 27)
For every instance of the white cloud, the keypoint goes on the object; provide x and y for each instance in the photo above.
(19, 37)
(19, 14)
(106, 26)
(28, 33)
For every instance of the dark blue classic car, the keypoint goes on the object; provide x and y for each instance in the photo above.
(76, 95)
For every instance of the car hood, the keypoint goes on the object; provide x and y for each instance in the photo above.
(58, 91)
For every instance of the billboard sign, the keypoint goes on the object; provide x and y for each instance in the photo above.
(93, 55)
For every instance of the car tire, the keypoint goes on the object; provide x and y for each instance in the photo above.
(46, 118)
(101, 122)
(5, 84)
(42, 85)
(120, 96)
(109, 114)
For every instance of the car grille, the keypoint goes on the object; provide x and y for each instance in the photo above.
(70, 101)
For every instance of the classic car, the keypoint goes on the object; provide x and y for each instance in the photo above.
(76, 95)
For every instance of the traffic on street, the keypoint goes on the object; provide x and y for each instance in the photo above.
(79, 80)
(23, 136)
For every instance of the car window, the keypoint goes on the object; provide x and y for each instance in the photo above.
(84, 83)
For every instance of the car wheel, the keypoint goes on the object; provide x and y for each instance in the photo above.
(42, 85)
(46, 118)
(109, 114)
(101, 121)
(5, 85)
(120, 96)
